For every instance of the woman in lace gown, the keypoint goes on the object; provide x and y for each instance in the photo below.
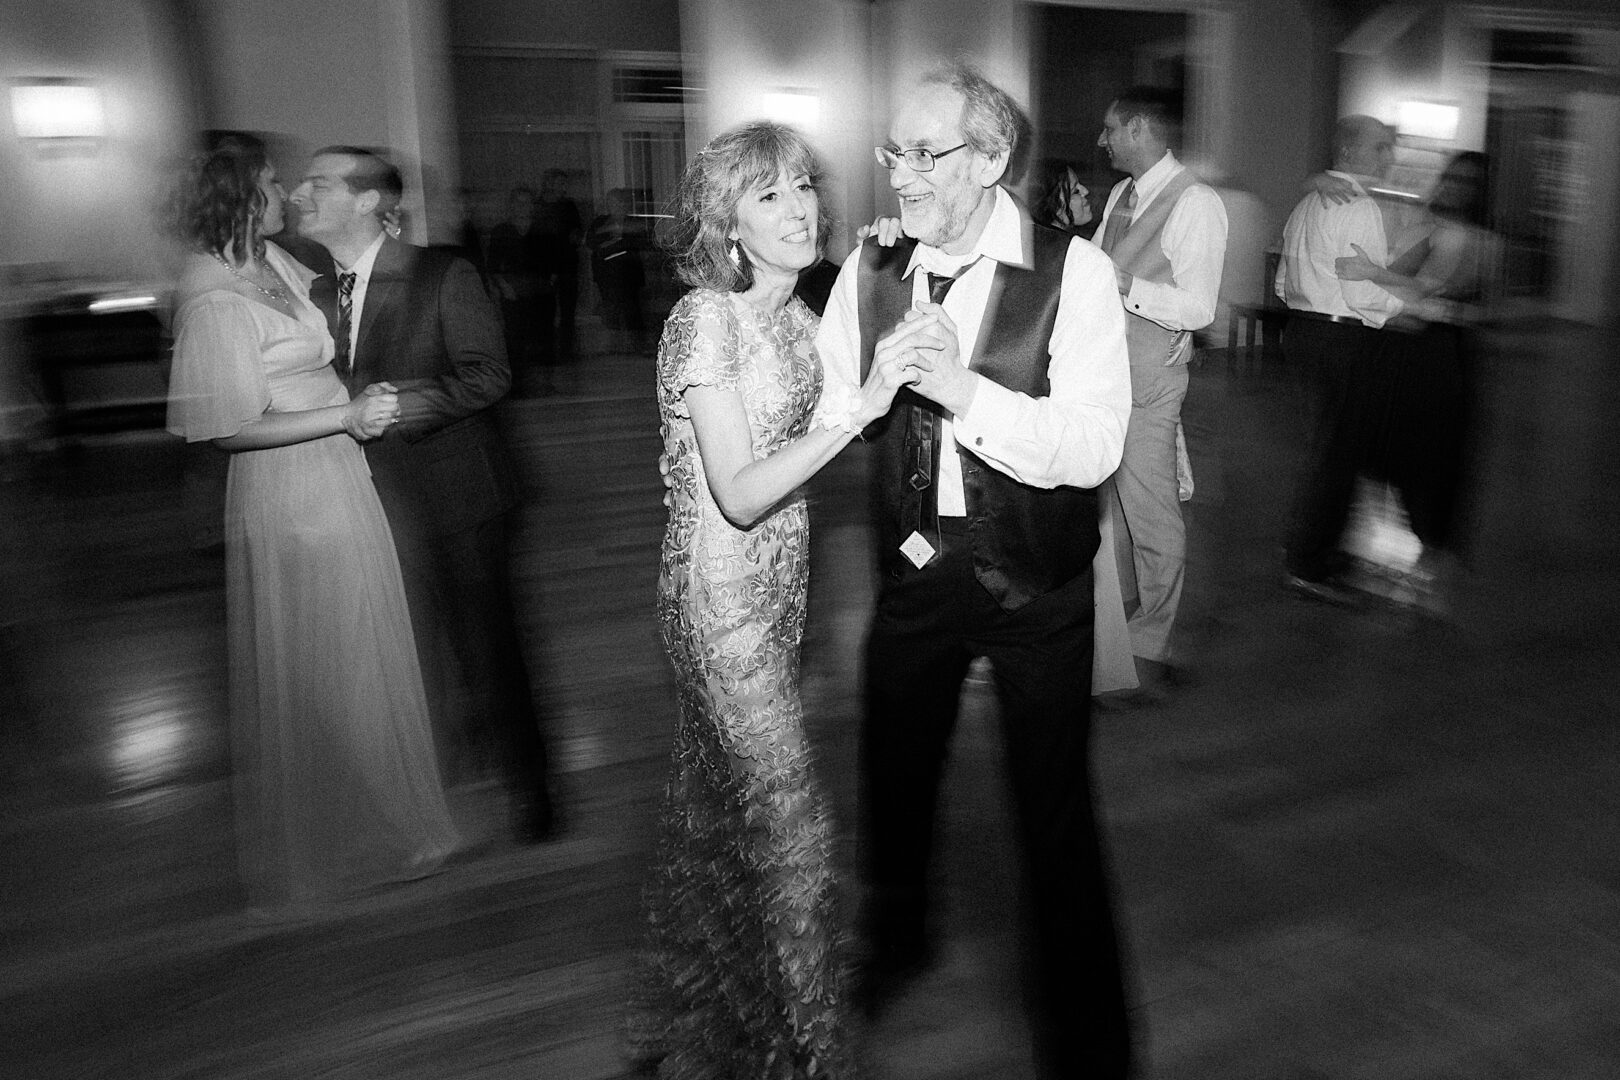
(744, 976)
(335, 782)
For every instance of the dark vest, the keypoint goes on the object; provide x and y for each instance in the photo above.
(1027, 541)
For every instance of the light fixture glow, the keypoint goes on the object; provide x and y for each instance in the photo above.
(56, 109)
(111, 304)
(1428, 120)
(797, 107)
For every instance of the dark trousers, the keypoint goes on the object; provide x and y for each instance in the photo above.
(557, 314)
(1425, 426)
(459, 591)
(1338, 362)
(928, 627)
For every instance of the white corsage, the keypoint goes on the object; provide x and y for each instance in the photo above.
(838, 407)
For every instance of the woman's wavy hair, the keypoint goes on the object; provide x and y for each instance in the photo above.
(215, 203)
(1059, 182)
(734, 163)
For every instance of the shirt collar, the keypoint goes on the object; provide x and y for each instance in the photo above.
(1155, 178)
(1005, 239)
(368, 258)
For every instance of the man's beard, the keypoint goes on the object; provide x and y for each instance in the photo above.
(937, 228)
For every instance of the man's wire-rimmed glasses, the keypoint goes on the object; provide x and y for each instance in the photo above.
(917, 159)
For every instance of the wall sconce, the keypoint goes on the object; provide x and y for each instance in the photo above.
(1427, 120)
(56, 109)
(801, 108)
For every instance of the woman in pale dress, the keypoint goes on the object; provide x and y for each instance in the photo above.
(743, 972)
(335, 783)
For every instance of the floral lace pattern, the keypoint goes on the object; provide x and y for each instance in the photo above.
(742, 978)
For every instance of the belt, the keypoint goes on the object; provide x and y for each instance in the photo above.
(1320, 316)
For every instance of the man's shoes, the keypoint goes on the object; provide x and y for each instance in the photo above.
(1157, 681)
(1160, 679)
(1325, 591)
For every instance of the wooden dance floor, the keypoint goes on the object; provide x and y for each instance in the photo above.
(1362, 844)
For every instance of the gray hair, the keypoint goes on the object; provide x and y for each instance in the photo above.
(991, 120)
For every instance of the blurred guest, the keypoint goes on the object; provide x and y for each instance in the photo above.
(421, 320)
(616, 242)
(560, 230)
(1332, 335)
(336, 785)
(516, 266)
(1166, 234)
(745, 976)
(1442, 280)
(987, 526)
(1064, 203)
(480, 214)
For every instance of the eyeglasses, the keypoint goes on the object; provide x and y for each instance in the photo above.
(917, 159)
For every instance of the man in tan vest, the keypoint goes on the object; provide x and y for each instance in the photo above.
(1166, 234)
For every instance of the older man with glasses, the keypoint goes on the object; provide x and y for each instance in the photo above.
(987, 524)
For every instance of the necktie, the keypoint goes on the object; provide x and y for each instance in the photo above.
(341, 359)
(1119, 219)
(919, 509)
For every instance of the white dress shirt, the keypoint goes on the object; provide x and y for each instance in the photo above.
(1318, 233)
(362, 277)
(1075, 434)
(1193, 239)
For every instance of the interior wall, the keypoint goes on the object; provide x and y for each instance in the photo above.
(737, 51)
(637, 25)
(85, 210)
(1281, 86)
(377, 77)
(1086, 57)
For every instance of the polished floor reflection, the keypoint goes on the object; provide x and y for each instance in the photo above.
(1363, 844)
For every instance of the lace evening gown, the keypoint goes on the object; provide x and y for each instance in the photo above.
(743, 977)
(334, 776)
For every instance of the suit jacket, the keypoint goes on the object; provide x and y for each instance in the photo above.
(429, 328)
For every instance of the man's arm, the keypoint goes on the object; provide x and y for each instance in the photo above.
(1194, 240)
(1363, 227)
(479, 376)
(1074, 436)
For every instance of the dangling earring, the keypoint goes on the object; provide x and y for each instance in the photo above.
(734, 252)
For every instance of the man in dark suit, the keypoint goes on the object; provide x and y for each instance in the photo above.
(420, 320)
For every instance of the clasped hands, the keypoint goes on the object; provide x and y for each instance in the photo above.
(923, 352)
(371, 414)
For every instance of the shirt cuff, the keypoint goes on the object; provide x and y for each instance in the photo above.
(1134, 299)
(994, 408)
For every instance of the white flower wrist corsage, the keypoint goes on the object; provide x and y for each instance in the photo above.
(838, 409)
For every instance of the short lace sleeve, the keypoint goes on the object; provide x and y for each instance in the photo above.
(700, 347)
(217, 381)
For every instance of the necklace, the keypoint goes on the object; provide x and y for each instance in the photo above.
(277, 293)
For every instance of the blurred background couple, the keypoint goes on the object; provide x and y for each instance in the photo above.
(369, 609)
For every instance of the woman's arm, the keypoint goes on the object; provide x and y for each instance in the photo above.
(366, 417)
(746, 488)
(1361, 267)
(1448, 251)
